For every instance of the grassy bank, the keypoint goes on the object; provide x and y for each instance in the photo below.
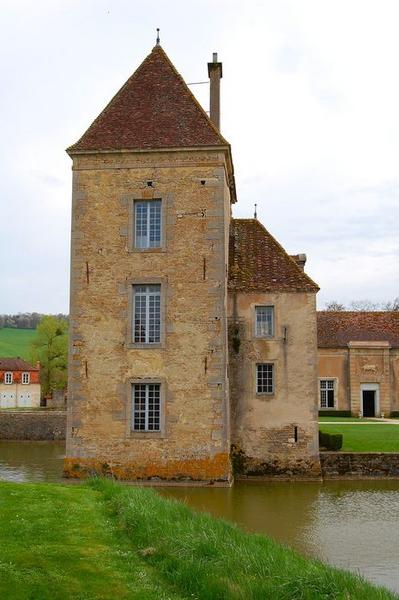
(373, 437)
(103, 541)
(15, 342)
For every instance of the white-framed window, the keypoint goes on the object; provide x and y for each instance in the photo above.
(147, 314)
(8, 377)
(327, 393)
(264, 321)
(26, 377)
(265, 378)
(146, 407)
(147, 224)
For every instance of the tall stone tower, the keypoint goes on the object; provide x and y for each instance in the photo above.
(152, 187)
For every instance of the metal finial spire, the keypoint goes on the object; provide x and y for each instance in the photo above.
(158, 38)
(255, 213)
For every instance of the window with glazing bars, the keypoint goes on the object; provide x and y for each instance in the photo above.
(147, 223)
(147, 314)
(25, 378)
(265, 378)
(264, 326)
(146, 407)
(327, 393)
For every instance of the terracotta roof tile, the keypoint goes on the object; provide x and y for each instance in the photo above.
(259, 263)
(154, 109)
(337, 329)
(15, 364)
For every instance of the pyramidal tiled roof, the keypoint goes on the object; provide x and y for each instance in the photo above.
(257, 262)
(154, 109)
(335, 329)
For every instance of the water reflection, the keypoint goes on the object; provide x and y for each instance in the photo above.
(349, 524)
(31, 461)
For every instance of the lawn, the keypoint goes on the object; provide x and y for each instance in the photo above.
(372, 437)
(344, 420)
(15, 342)
(105, 541)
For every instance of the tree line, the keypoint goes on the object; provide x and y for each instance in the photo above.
(26, 320)
(363, 305)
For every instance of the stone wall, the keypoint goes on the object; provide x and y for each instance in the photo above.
(32, 425)
(275, 434)
(190, 363)
(359, 465)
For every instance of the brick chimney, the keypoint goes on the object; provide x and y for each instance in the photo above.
(215, 75)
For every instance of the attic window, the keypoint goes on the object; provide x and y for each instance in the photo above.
(8, 378)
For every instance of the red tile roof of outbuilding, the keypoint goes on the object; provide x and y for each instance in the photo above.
(259, 263)
(337, 329)
(154, 109)
(15, 364)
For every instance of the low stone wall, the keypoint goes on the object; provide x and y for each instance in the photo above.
(33, 425)
(359, 465)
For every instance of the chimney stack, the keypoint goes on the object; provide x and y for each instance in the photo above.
(215, 75)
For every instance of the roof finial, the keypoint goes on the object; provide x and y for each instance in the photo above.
(158, 38)
(255, 213)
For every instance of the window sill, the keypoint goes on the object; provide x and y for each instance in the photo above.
(148, 250)
(146, 435)
(143, 346)
(265, 394)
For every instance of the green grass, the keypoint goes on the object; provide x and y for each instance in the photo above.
(105, 541)
(15, 342)
(376, 437)
(344, 420)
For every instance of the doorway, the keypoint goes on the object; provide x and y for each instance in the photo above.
(368, 403)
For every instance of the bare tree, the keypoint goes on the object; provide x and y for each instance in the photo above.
(334, 306)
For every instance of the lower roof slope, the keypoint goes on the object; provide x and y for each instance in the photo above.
(257, 262)
(337, 329)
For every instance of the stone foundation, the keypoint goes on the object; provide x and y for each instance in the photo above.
(359, 465)
(32, 425)
(275, 466)
(207, 470)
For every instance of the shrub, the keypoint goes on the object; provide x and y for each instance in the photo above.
(331, 441)
(334, 413)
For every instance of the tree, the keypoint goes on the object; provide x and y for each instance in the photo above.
(50, 348)
(333, 305)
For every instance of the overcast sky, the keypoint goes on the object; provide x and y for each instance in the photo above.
(310, 104)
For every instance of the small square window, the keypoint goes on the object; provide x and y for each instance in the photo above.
(146, 407)
(264, 321)
(265, 378)
(147, 224)
(8, 378)
(25, 378)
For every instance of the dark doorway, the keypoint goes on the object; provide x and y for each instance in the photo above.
(368, 403)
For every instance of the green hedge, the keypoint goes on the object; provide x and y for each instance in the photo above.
(331, 441)
(335, 413)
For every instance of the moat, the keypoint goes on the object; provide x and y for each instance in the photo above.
(349, 524)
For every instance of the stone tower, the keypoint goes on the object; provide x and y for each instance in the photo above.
(152, 187)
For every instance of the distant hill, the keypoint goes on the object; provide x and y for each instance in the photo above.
(15, 342)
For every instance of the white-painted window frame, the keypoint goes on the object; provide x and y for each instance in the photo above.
(152, 321)
(152, 220)
(26, 378)
(273, 378)
(146, 412)
(334, 389)
(258, 324)
(8, 377)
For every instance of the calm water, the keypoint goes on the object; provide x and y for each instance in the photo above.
(353, 525)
